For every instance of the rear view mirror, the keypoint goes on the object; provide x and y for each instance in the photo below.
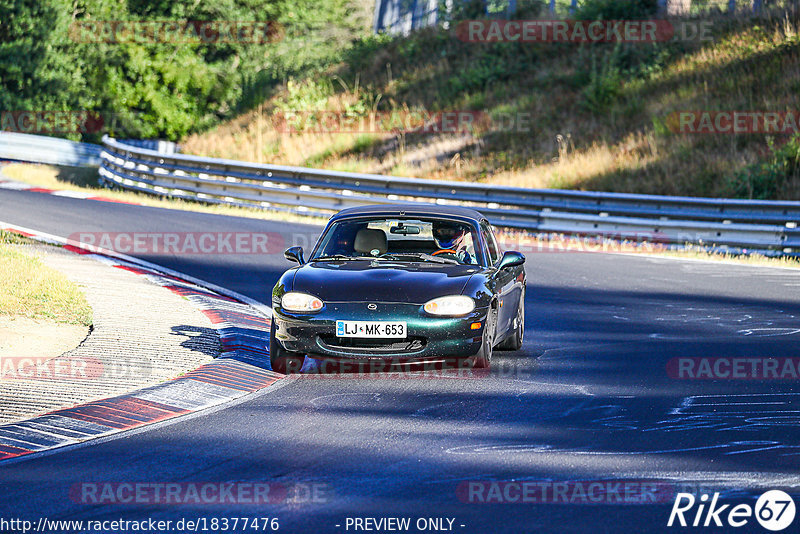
(294, 254)
(405, 230)
(510, 259)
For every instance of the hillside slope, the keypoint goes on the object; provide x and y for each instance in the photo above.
(565, 115)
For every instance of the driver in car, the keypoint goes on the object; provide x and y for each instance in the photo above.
(449, 238)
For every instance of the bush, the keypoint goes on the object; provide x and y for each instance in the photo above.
(162, 89)
(605, 74)
(767, 179)
(605, 83)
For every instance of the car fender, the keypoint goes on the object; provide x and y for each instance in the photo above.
(479, 288)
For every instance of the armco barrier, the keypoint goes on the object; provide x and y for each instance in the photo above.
(723, 224)
(720, 223)
(52, 150)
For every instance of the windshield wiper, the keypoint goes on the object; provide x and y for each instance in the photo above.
(424, 256)
(344, 257)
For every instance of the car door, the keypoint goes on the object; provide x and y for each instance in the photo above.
(505, 282)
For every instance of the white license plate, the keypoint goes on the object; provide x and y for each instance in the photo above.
(371, 329)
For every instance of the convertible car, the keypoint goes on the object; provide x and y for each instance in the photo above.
(399, 284)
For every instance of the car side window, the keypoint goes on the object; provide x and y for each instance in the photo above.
(491, 243)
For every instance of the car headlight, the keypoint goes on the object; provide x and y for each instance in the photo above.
(300, 302)
(454, 305)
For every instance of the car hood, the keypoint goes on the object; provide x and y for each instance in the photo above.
(381, 281)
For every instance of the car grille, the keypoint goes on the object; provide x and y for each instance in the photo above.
(356, 345)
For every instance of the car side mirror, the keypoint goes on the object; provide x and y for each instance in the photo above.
(294, 254)
(510, 259)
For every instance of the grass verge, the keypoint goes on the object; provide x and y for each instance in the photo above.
(29, 288)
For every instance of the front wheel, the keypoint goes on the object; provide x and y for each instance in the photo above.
(282, 360)
(483, 359)
(514, 341)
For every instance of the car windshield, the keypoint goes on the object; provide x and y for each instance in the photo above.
(417, 240)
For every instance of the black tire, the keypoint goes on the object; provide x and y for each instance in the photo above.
(483, 360)
(282, 360)
(514, 341)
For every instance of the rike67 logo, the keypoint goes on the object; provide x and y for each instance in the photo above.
(774, 510)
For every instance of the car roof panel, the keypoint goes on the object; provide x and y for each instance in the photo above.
(411, 210)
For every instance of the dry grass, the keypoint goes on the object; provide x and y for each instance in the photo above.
(695, 252)
(30, 289)
(572, 168)
(750, 65)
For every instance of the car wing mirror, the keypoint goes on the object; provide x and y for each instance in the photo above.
(295, 254)
(510, 259)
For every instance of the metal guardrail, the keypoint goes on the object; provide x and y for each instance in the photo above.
(720, 223)
(51, 150)
(159, 145)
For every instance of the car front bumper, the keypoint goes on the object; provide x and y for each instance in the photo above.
(429, 338)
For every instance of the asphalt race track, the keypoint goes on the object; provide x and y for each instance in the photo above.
(589, 398)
